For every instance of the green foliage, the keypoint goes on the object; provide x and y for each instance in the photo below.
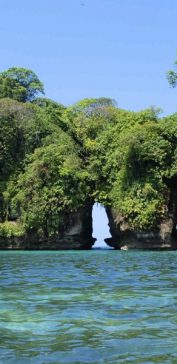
(172, 76)
(8, 145)
(92, 106)
(52, 184)
(24, 127)
(20, 84)
(10, 229)
(142, 205)
(53, 160)
(144, 161)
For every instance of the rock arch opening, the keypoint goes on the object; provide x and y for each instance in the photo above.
(100, 226)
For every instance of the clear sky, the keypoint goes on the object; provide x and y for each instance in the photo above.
(91, 48)
(100, 226)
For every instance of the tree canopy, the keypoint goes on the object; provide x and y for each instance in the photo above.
(20, 84)
(54, 159)
(172, 76)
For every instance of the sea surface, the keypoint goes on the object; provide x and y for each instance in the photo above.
(98, 306)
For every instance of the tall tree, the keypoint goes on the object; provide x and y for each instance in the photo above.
(172, 76)
(20, 84)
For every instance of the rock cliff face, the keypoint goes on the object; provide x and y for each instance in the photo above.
(77, 234)
(163, 237)
(114, 241)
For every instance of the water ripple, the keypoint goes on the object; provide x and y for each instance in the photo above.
(88, 307)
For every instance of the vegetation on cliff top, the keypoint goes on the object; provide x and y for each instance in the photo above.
(54, 159)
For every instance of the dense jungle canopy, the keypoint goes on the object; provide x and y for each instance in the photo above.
(54, 159)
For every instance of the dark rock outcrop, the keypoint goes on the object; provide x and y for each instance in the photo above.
(113, 242)
(77, 234)
(163, 237)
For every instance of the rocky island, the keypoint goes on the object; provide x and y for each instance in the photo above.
(57, 161)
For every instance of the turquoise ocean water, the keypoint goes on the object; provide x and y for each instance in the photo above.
(98, 306)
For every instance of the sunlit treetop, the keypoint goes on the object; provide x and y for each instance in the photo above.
(172, 76)
(20, 84)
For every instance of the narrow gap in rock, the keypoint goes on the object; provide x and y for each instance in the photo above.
(100, 226)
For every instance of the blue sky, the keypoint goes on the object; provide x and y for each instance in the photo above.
(113, 48)
(92, 48)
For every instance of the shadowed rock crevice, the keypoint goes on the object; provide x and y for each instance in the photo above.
(77, 232)
(114, 240)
